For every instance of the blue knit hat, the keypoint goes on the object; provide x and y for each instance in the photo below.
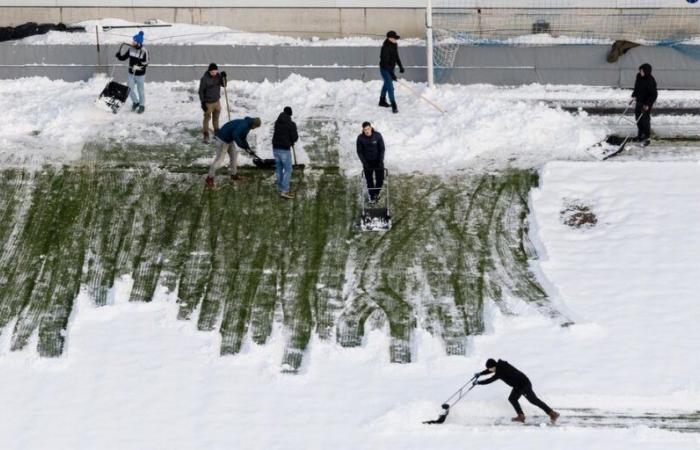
(138, 37)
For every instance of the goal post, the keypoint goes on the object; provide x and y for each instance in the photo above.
(452, 25)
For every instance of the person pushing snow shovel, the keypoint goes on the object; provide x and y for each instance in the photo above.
(233, 131)
(520, 383)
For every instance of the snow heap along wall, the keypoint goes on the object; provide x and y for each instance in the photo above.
(240, 261)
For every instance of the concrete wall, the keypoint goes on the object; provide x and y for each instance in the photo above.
(500, 65)
(302, 22)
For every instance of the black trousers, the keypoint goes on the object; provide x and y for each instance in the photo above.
(644, 122)
(526, 390)
(375, 180)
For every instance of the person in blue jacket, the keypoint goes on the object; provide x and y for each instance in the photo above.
(235, 131)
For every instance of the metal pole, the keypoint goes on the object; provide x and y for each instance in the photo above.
(429, 41)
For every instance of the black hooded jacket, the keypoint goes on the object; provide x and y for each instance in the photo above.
(509, 374)
(645, 87)
(370, 150)
(285, 134)
(389, 56)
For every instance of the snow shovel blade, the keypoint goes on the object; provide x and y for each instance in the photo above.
(441, 418)
(264, 163)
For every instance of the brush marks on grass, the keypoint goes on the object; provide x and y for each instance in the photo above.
(241, 259)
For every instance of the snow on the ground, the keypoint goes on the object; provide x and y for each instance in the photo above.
(134, 377)
(188, 34)
(51, 120)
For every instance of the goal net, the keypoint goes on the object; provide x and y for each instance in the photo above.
(459, 23)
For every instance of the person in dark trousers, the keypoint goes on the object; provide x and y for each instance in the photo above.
(138, 61)
(370, 150)
(209, 96)
(644, 95)
(283, 138)
(388, 60)
(233, 131)
(521, 385)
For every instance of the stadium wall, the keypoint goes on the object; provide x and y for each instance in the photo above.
(303, 18)
(674, 67)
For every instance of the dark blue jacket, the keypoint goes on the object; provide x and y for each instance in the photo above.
(370, 149)
(236, 130)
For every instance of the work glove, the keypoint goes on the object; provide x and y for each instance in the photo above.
(477, 375)
(223, 75)
(475, 382)
(137, 67)
(393, 76)
(401, 69)
(204, 107)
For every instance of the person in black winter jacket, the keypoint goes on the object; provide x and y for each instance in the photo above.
(138, 61)
(283, 138)
(388, 60)
(521, 385)
(644, 94)
(370, 150)
(209, 95)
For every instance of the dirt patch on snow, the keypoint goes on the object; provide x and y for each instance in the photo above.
(577, 214)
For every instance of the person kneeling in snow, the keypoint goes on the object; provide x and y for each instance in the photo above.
(521, 386)
(370, 150)
(138, 61)
(233, 131)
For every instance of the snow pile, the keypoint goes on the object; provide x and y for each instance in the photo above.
(49, 121)
(187, 34)
(134, 377)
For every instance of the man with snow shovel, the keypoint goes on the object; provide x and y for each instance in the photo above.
(521, 385)
(209, 95)
(388, 60)
(234, 131)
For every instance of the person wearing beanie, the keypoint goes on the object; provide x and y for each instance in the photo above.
(370, 150)
(644, 94)
(138, 61)
(209, 97)
(284, 137)
(235, 131)
(520, 383)
(388, 60)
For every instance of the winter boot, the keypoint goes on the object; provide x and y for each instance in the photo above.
(519, 418)
(383, 103)
(553, 415)
(210, 183)
(394, 108)
(287, 195)
(206, 139)
(238, 178)
(141, 109)
(135, 106)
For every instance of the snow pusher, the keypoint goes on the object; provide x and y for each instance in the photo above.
(114, 95)
(453, 400)
(612, 145)
(376, 213)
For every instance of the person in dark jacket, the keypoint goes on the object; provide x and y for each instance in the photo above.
(370, 150)
(388, 60)
(138, 61)
(209, 95)
(644, 95)
(283, 138)
(235, 131)
(521, 385)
